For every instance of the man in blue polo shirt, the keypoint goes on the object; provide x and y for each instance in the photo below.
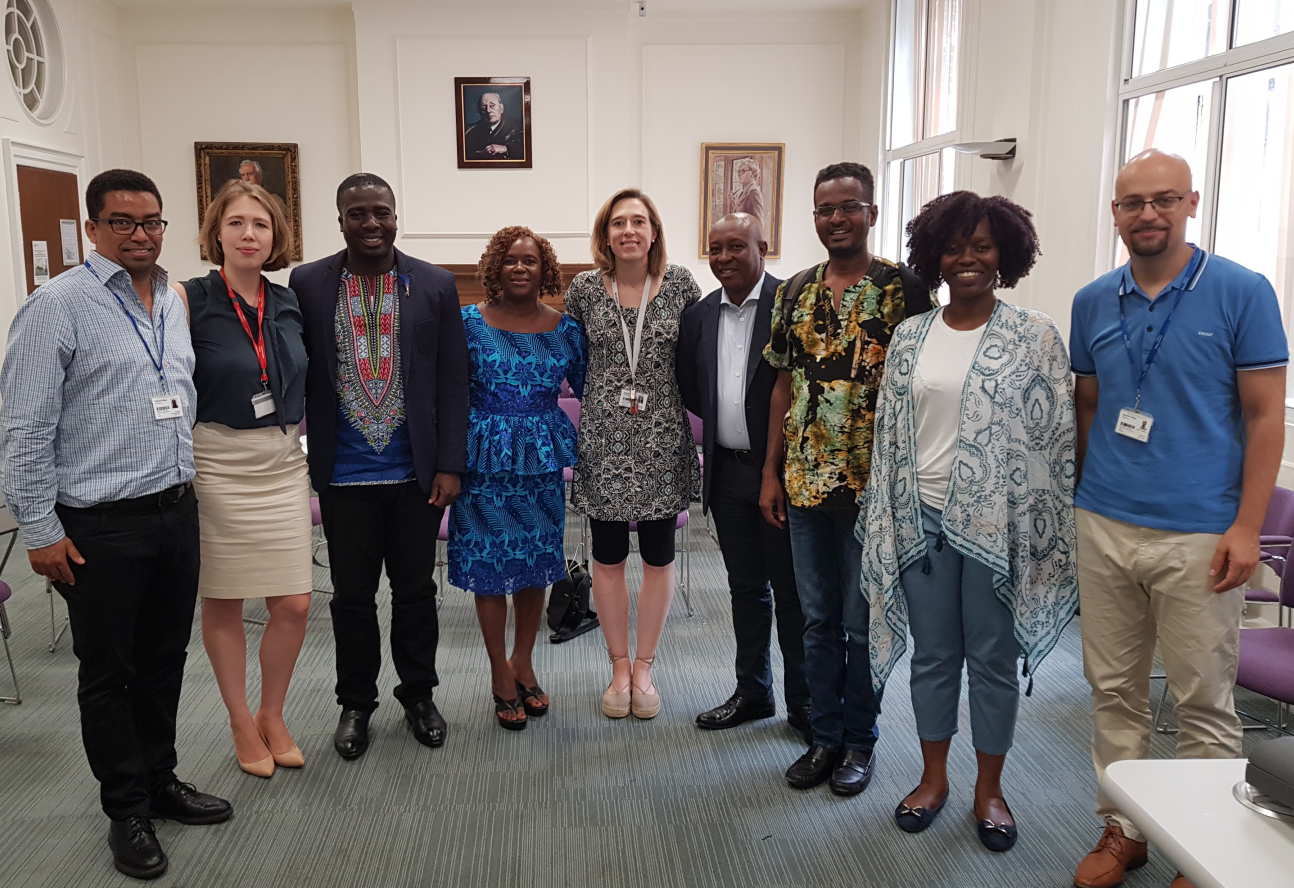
(1180, 362)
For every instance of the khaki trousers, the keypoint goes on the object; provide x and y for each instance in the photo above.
(1136, 584)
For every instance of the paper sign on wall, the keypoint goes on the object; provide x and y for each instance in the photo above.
(39, 262)
(71, 241)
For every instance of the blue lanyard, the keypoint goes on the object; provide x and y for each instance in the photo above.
(1139, 370)
(161, 320)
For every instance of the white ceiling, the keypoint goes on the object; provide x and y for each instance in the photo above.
(663, 6)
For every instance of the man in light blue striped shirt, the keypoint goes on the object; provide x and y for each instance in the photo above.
(98, 410)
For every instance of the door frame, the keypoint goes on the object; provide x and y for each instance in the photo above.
(19, 153)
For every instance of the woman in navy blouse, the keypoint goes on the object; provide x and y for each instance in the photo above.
(253, 494)
(506, 528)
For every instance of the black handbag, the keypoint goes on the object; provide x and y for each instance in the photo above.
(569, 614)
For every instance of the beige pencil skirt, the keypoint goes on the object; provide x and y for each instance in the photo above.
(253, 512)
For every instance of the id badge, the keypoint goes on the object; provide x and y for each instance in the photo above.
(262, 404)
(1134, 424)
(633, 400)
(167, 407)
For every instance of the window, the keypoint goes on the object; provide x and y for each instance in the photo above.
(925, 67)
(1213, 81)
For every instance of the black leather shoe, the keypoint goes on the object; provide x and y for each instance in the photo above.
(853, 772)
(135, 849)
(735, 711)
(428, 724)
(183, 803)
(798, 718)
(916, 819)
(351, 737)
(812, 768)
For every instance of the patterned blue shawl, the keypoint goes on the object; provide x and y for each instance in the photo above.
(1011, 497)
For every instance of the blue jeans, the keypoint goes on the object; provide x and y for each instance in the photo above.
(836, 665)
(955, 615)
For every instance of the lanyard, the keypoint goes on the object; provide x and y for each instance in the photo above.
(634, 349)
(1139, 370)
(161, 322)
(258, 344)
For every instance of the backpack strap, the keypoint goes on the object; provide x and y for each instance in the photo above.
(917, 297)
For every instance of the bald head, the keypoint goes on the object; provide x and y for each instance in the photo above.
(1153, 164)
(1153, 200)
(736, 247)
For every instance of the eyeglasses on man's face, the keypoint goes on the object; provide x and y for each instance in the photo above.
(849, 208)
(1163, 203)
(124, 226)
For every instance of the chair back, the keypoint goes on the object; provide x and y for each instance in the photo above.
(571, 407)
(698, 429)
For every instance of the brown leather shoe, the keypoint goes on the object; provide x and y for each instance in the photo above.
(1182, 882)
(1110, 860)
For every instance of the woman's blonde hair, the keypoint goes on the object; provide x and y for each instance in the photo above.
(209, 237)
(601, 241)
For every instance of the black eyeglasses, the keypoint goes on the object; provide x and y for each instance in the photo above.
(122, 225)
(849, 208)
(1164, 203)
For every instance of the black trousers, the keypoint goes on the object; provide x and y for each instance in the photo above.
(756, 555)
(131, 611)
(370, 526)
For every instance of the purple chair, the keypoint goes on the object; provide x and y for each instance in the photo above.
(1275, 539)
(5, 632)
(1267, 662)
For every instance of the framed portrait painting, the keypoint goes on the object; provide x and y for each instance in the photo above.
(272, 165)
(492, 123)
(743, 178)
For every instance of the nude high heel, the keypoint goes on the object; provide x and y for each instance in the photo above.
(615, 704)
(644, 703)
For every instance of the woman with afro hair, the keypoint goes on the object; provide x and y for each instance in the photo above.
(507, 526)
(967, 522)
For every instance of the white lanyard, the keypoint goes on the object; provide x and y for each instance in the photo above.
(634, 349)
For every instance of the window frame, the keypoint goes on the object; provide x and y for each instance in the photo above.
(1217, 70)
(891, 219)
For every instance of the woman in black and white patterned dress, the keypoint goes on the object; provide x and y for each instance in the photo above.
(637, 460)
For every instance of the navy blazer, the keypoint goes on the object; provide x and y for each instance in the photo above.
(696, 363)
(433, 353)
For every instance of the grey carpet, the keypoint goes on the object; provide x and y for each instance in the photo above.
(573, 800)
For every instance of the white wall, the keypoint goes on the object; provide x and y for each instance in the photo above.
(96, 126)
(201, 75)
(619, 100)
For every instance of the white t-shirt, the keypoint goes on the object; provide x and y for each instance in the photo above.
(937, 383)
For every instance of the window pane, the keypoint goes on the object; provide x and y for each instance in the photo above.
(905, 74)
(1259, 19)
(943, 19)
(1173, 32)
(1177, 121)
(892, 245)
(1255, 224)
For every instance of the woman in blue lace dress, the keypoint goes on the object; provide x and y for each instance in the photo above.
(507, 526)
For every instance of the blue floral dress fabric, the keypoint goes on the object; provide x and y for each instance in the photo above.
(506, 528)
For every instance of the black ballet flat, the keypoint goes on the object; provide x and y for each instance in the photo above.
(997, 837)
(917, 819)
(535, 709)
(514, 706)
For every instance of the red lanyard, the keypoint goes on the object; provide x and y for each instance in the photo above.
(258, 344)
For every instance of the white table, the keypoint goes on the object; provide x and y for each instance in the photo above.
(1186, 809)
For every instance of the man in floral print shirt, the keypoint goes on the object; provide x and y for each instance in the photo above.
(831, 326)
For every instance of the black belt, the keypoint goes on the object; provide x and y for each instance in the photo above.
(745, 457)
(149, 502)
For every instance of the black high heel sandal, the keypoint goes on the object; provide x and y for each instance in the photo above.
(526, 694)
(514, 706)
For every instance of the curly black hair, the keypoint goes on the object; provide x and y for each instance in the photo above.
(955, 215)
(847, 170)
(487, 270)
